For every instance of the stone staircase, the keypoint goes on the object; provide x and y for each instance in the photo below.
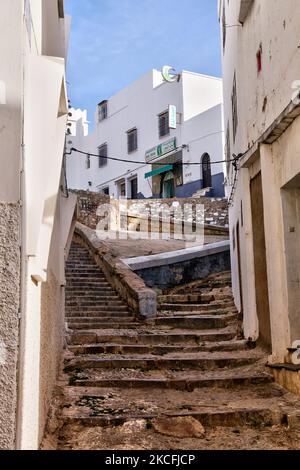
(185, 379)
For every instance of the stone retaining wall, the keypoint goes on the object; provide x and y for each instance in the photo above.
(215, 209)
(172, 274)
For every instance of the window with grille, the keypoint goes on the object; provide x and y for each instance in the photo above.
(163, 124)
(132, 141)
(234, 108)
(102, 111)
(102, 150)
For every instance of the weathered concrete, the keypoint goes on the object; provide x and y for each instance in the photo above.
(171, 269)
(9, 322)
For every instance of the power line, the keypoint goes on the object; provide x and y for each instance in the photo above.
(88, 154)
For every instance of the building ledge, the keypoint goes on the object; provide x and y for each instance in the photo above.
(274, 131)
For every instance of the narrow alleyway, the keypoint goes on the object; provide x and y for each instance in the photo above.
(184, 380)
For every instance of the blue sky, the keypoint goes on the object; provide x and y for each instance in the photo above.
(114, 42)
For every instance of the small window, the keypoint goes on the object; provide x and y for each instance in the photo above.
(102, 111)
(163, 124)
(60, 6)
(259, 59)
(88, 162)
(206, 171)
(234, 108)
(106, 191)
(102, 150)
(132, 143)
(123, 189)
(134, 188)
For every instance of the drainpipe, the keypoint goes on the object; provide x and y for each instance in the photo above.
(23, 260)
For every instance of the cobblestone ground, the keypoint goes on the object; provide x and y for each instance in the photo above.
(183, 380)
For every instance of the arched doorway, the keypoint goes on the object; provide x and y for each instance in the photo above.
(168, 187)
(206, 171)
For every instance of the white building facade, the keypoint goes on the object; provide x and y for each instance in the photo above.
(36, 214)
(261, 64)
(159, 128)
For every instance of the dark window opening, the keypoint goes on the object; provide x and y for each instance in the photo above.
(206, 171)
(122, 189)
(234, 108)
(132, 143)
(259, 60)
(60, 6)
(163, 124)
(102, 155)
(102, 110)
(106, 191)
(134, 188)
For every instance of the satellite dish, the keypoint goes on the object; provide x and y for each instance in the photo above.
(169, 74)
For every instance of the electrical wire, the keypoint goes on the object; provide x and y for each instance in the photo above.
(87, 154)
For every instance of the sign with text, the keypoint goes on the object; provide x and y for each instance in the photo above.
(160, 150)
(172, 117)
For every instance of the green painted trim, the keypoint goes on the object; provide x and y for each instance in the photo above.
(158, 171)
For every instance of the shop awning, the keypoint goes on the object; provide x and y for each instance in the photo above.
(158, 171)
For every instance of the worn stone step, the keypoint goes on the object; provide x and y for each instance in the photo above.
(90, 290)
(87, 281)
(86, 262)
(84, 278)
(96, 314)
(195, 312)
(199, 361)
(219, 307)
(96, 305)
(91, 320)
(138, 402)
(88, 296)
(94, 300)
(86, 268)
(253, 417)
(152, 337)
(108, 323)
(93, 314)
(115, 348)
(193, 298)
(201, 322)
(173, 384)
(188, 381)
(88, 284)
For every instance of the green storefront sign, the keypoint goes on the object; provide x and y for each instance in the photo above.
(160, 150)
